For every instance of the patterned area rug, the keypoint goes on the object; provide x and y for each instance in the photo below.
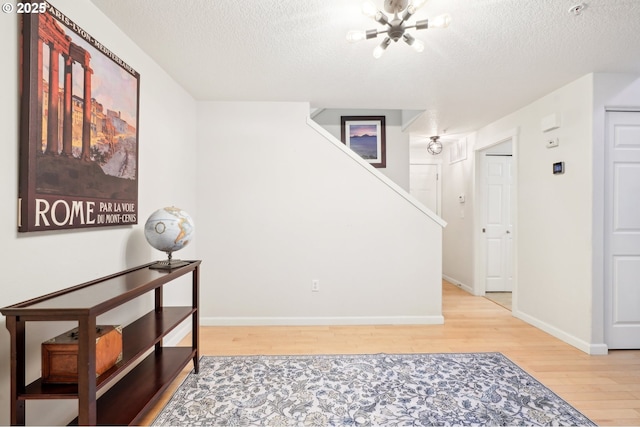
(352, 390)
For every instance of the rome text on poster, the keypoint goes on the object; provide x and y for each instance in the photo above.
(79, 128)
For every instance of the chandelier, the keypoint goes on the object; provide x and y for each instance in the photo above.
(435, 146)
(396, 27)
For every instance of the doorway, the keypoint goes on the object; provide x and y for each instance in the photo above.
(622, 230)
(497, 226)
(424, 184)
(495, 216)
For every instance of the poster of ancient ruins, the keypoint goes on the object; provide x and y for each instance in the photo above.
(79, 128)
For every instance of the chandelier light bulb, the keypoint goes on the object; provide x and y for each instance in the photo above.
(380, 49)
(378, 52)
(369, 9)
(415, 5)
(418, 46)
(441, 21)
(355, 36)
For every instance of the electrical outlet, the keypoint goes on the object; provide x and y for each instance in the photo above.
(315, 285)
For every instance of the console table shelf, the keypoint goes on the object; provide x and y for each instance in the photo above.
(126, 401)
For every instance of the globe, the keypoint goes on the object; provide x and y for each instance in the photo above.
(169, 229)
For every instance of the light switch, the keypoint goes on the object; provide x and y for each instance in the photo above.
(553, 142)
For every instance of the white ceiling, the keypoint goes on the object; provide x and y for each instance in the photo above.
(495, 57)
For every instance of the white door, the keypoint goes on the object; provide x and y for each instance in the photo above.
(498, 227)
(423, 185)
(622, 230)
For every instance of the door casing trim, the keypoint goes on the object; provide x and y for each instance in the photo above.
(479, 287)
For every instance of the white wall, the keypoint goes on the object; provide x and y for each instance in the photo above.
(282, 206)
(554, 212)
(43, 262)
(397, 141)
(457, 248)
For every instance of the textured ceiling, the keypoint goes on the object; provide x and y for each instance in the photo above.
(495, 57)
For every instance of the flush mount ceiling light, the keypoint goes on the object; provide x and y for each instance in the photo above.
(435, 146)
(396, 27)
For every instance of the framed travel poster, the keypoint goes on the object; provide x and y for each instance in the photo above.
(78, 128)
(366, 136)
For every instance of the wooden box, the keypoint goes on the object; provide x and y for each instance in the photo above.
(60, 354)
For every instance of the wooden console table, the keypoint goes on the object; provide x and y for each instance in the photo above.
(126, 401)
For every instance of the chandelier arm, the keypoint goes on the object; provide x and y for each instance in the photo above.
(371, 34)
(399, 21)
(422, 24)
(406, 16)
(381, 18)
(419, 25)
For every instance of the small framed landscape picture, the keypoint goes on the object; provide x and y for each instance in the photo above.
(366, 136)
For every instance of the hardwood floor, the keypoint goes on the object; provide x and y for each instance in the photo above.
(604, 388)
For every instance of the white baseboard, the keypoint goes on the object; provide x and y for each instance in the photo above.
(593, 349)
(598, 349)
(181, 331)
(321, 321)
(458, 283)
(185, 328)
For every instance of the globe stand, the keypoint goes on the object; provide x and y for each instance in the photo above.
(169, 264)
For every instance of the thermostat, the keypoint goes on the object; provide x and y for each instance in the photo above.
(558, 168)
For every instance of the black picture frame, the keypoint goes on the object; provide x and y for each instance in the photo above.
(366, 136)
